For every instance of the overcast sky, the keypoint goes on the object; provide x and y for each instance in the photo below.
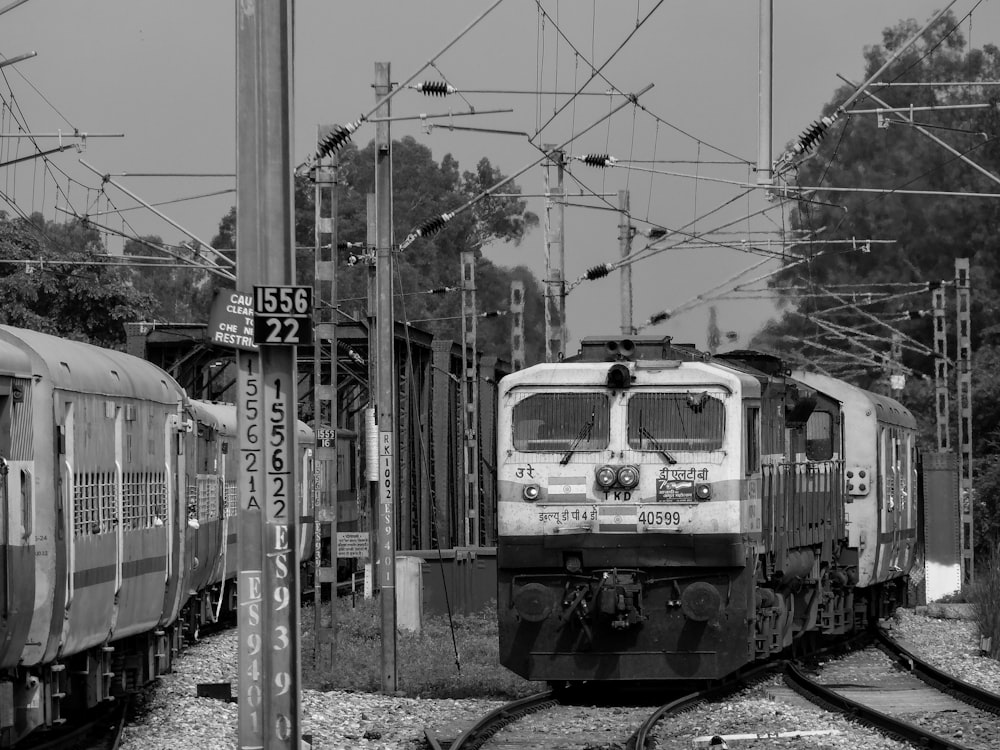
(162, 73)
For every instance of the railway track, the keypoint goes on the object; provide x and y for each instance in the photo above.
(103, 730)
(895, 692)
(879, 683)
(548, 719)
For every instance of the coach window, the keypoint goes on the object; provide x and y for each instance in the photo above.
(819, 436)
(545, 422)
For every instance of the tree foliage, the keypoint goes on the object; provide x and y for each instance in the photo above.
(56, 278)
(182, 292)
(857, 295)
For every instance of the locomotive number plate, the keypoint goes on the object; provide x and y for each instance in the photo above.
(663, 519)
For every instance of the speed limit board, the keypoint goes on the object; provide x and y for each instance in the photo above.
(282, 315)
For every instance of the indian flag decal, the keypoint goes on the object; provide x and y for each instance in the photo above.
(567, 489)
(618, 517)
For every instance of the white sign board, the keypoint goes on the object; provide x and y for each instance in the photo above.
(352, 544)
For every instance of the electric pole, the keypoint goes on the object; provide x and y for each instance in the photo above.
(555, 275)
(269, 698)
(764, 97)
(963, 380)
(625, 233)
(386, 399)
(516, 325)
(325, 408)
(470, 398)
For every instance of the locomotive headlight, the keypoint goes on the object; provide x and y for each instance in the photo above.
(606, 476)
(703, 491)
(531, 492)
(628, 477)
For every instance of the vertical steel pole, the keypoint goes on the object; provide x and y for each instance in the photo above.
(897, 380)
(963, 381)
(764, 96)
(270, 405)
(625, 232)
(250, 656)
(325, 409)
(386, 380)
(516, 325)
(470, 399)
(371, 425)
(555, 283)
(941, 409)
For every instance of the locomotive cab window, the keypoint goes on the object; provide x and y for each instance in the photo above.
(546, 422)
(819, 436)
(676, 421)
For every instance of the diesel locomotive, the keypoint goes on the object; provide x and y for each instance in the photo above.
(119, 531)
(666, 515)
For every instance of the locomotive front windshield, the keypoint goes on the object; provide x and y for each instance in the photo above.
(676, 421)
(561, 422)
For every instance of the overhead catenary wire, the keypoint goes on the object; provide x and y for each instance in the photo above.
(436, 224)
(340, 134)
(934, 138)
(815, 132)
(105, 178)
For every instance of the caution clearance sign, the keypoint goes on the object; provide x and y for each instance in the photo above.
(230, 323)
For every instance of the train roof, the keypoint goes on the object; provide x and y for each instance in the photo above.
(646, 373)
(887, 409)
(221, 416)
(13, 361)
(85, 368)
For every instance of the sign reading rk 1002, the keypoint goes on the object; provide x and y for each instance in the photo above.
(282, 315)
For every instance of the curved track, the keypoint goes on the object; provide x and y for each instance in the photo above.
(903, 697)
(496, 720)
(490, 724)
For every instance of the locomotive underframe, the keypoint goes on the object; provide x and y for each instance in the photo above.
(676, 607)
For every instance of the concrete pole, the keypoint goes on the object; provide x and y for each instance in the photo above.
(386, 398)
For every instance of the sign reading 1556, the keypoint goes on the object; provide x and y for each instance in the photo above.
(282, 315)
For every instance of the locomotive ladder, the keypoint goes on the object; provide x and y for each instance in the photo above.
(324, 484)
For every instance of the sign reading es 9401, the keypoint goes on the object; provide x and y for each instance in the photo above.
(282, 315)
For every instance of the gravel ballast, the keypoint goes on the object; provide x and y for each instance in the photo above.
(173, 717)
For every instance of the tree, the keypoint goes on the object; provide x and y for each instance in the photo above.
(858, 290)
(423, 189)
(182, 294)
(68, 288)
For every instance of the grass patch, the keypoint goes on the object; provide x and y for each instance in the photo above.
(425, 662)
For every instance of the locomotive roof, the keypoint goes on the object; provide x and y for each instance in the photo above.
(85, 368)
(690, 373)
(888, 409)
